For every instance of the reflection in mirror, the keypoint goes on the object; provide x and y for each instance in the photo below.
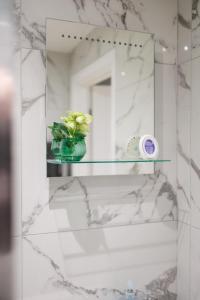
(106, 73)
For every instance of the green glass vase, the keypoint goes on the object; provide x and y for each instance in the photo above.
(55, 148)
(73, 149)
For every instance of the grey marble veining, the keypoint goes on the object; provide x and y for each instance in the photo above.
(182, 153)
(195, 28)
(183, 186)
(39, 208)
(183, 22)
(27, 103)
(182, 79)
(184, 105)
(159, 287)
(33, 74)
(181, 189)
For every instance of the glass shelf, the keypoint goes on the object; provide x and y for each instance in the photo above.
(58, 162)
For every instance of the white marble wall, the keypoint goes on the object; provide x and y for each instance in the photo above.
(184, 103)
(195, 171)
(188, 162)
(122, 227)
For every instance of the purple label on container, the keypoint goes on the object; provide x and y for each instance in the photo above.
(149, 146)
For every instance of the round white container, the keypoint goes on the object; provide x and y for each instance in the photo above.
(148, 147)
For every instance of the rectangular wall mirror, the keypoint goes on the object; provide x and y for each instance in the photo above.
(108, 74)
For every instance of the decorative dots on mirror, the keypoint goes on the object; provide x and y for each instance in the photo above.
(102, 41)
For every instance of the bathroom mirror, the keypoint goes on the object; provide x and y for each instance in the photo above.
(109, 74)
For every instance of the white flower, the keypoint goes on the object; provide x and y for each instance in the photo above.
(80, 119)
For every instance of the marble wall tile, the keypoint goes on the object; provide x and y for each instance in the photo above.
(184, 104)
(17, 268)
(34, 181)
(184, 161)
(195, 146)
(10, 25)
(16, 210)
(195, 264)
(73, 267)
(136, 15)
(188, 164)
(17, 23)
(165, 117)
(33, 78)
(184, 30)
(183, 261)
(195, 28)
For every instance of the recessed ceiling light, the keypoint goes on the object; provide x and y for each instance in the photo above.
(123, 73)
(186, 48)
(164, 49)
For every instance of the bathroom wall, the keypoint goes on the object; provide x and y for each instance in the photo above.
(184, 104)
(86, 237)
(188, 162)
